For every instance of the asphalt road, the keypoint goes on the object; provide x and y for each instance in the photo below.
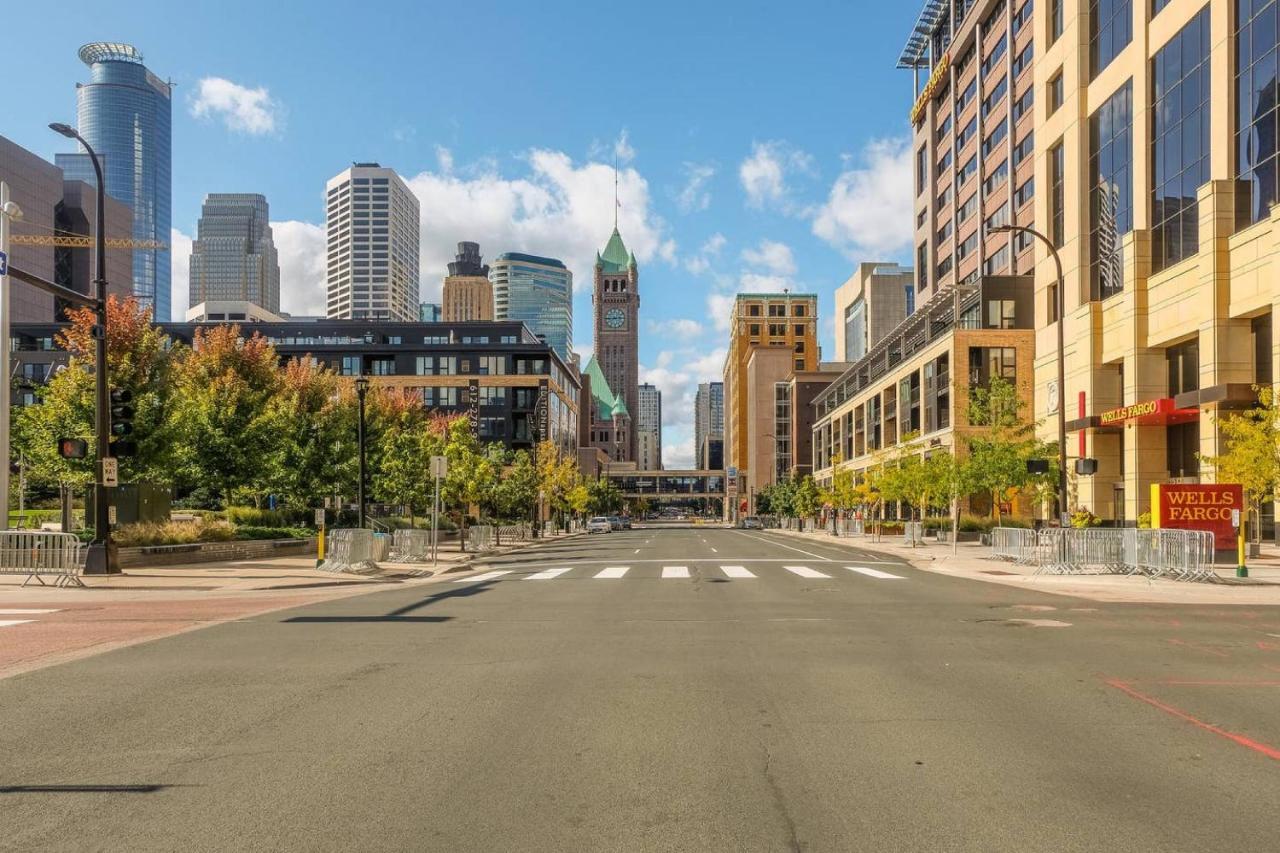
(773, 699)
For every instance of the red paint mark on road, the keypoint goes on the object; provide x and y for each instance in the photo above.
(1263, 645)
(1248, 743)
(1199, 648)
(1174, 682)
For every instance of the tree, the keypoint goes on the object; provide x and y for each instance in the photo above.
(404, 443)
(557, 476)
(998, 455)
(517, 490)
(806, 499)
(471, 476)
(603, 497)
(312, 419)
(1252, 455)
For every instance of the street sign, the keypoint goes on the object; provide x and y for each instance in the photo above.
(111, 515)
(4, 263)
(1235, 518)
(110, 471)
(439, 466)
(319, 518)
(732, 473)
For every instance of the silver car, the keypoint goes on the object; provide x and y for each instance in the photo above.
(599, 524)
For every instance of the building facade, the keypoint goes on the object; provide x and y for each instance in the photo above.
(125, 113)
(793, 416)
(429, 312)
(233, 257)
(648, 425)
(708, 424)
(615, 298)
(467, 295)
(538, 292)
(608, 420)
(372, 239)
(875, 299)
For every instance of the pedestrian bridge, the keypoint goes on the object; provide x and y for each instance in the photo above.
(669, 484)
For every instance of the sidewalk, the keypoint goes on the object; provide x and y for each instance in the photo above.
(971, 561)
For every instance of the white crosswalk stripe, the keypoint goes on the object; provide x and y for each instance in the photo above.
(9, 623)
(675, 571)
(549, 574)
(736, 571)
(26, 611)
(874, 573)
(805, 572)
(612, 572)
(487, 576)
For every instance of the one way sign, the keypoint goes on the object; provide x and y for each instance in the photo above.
(4, 263)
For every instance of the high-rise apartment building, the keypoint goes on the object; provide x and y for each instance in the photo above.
(615, 298)
(125, 113)
(649, 428)
(371, 226)
(875, 299)
(538, 292)
(233, 256)
(708, 423)
(467, 294)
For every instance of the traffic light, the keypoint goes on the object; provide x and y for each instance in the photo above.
(121, 412)
(73, 448)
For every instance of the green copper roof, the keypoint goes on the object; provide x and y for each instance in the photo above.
(615, 258)
(607, 405)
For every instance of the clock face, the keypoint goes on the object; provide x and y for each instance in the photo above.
(614, 318)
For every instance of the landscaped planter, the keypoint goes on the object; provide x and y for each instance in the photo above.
(212, 552)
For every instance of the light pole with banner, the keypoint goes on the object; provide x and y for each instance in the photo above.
(362, 388)
(9, 213)
(439, 470)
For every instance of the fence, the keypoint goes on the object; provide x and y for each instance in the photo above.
(410, 546)
(913, 532)
(354, 549)
(1178, 554)
(35, 552)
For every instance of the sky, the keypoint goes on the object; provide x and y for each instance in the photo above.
(759, 146)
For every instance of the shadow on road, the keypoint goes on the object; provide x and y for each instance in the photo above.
(83, 789)
(400, 613)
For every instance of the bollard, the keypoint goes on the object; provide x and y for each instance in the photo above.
(1242, 571)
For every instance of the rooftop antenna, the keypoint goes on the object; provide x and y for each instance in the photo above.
(616, 204)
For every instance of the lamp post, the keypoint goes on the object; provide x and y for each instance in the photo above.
(100, 558)
(1063, 508)
(362, 388)
(9, 213)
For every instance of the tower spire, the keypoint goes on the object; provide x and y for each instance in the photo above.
(616, 203)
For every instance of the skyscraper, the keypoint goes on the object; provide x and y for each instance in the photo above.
(649, 428)
(125, 113)
(467, 293)
(708, 423)
(616, 300)
(371, 222)
(538, 292)
(233, 256)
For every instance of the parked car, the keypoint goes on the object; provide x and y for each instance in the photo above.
(751, 522)
(626, 522)
(599, 524)
(615, 522)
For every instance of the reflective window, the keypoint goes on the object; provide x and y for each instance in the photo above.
(1110, 190)
(1056, 196)
(1180, 141)
(1256, 114)
(1110, 31)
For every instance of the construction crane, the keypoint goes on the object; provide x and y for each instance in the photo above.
(77, 241)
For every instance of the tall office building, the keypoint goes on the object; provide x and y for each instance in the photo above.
(467, 295)
(429, 312)
(649, 428)
(233, 257)
(371, 222)
(538, 292)
(616, 299)
(708, 423)
(875, 299)
(125, 113)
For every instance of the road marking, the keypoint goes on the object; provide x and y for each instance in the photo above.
(788, 547)
(9, 623)
(25, 611)
(805, 572)
(548, 574)
(736, 571)
(613, 572)
(637, 550)
(675, 571)
(1248, 743)
(487, 576)
(874, 573)
(714, 551)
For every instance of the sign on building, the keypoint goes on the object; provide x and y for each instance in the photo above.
(1198, 507)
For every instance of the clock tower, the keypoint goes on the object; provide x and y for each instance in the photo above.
(615, 299)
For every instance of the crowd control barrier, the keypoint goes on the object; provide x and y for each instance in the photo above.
(39, 554)
(1178, 554)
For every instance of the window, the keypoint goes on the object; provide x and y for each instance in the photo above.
(491, 365)
(1180, 141)
(1256, 114)
(963, 99)
(350, 365)
(1022, 61)
(944, 197)
(944, 127)
(1183, 362)
(996, 96)
(922, 266)
(967, 209)
(998, 176)
(922, 181)
(382, 367)
(997, 261)
(966, 171)
(944, 266)
(754, 330)
(1024, 148)
(1056, 196)
(1055, 20)
(1055, 92)
(1023, 105)
(490, 396)
(944, 233)
(777, 330)
(994, 138)
(799, 347)
(1022, 16)
(753, 310)
(966, 133)
(1110, 190)
(1000, 314)
(1157, 6)
(999, 217)
(776, 310)
(989, 63)
(986, 363)
(944, 163)
(1023, 194)
(1110, 31)
(798, 328)
(797, 311)
(969, 246)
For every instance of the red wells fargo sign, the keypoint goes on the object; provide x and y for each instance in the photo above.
(1198, 507)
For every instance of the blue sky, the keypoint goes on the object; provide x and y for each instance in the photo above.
(761, 145)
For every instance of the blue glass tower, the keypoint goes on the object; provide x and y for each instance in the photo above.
(538, 291)
(125, 112)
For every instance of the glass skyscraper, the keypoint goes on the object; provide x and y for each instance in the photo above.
(125, 113)
(538, 292)
(234, 256)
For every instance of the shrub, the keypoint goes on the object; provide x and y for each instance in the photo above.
(1144, 520)
(251, 516)
(173, 533)
(250, 531)
(1082, 518)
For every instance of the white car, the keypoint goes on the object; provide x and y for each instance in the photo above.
(599, 524)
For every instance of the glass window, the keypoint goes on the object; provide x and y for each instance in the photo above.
(994, 138)
(966, 132)
(350, 365)
(1055, 92)
(1000, 314)
(922, 266)
(1179, 141)
(922, 181)
(1056, 195)
(382, 366)
(1110, 31)
(1110, 190)
(1256, 114)
(1055, 20)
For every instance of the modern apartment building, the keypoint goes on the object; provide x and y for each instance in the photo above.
(875, 299)
(785, 324)
(537, 291)
(467, 295)
(793, 416)
(233, 257)
(708, 425)
(429, 312)
(125, 113)
(372, 236)
(648, 427)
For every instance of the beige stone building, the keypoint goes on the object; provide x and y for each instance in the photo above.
(468, 293)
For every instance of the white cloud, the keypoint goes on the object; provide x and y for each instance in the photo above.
(179, 275)
(764, 174)
(868, 214)
(444, 157)
(622, 148)
(773, 256)
(560, 208)
(710, 251)
(676, 327)
(301, 250)
(250, 111)
(694, 195)
(677, 374)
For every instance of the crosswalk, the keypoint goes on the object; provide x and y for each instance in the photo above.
(22, 611)
(675, 572)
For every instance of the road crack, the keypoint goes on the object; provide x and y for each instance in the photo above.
(780, 801)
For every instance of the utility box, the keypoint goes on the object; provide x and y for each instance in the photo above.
(135, 502)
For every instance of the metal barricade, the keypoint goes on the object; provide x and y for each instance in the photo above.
(480, 537)
(1176, 554)
(1186, 555)
(410, 546)
(37, 552)
(353, 549)
(1015, 544)
(913, 532)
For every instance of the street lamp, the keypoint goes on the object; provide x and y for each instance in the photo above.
(1062, 360)
(9, 213)
(100, 558)
(362, 388)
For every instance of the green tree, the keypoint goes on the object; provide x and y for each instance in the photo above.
(517, 491)
(806, 498)
(471, 476)
(1252, 454)
(604, 497)
(998, 454)
(312, 418)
